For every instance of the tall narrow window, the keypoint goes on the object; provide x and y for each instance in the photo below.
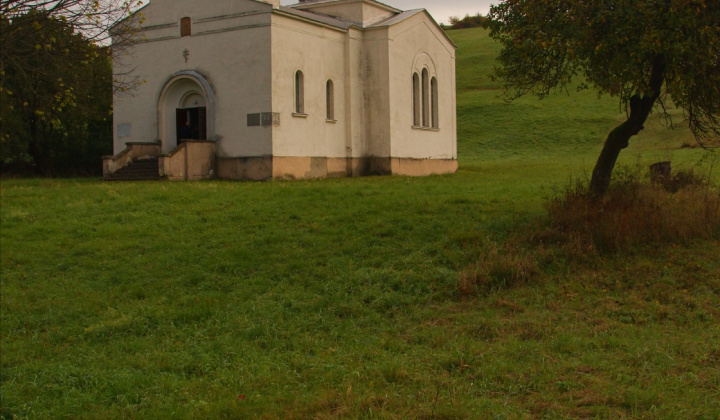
(185, 26)
(330, 99)
(416, 100)
(435, 110)
(425, 99)
(299, 93)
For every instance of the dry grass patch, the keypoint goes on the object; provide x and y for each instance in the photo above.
(584, 229)
(634, 213)
(499, 267)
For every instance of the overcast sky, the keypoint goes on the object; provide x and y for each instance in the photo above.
(441, 10)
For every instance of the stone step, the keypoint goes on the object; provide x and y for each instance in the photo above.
(131, 179)
(139, 170)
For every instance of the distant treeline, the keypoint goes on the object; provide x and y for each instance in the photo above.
(466, 22)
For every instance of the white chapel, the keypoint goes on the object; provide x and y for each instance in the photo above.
(250, 89)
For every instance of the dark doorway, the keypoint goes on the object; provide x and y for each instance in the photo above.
(191, 124)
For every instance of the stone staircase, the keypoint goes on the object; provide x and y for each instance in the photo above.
(138, 170)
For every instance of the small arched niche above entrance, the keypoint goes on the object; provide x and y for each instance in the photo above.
(192, 100)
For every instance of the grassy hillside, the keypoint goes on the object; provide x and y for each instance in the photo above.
(342, 298)
(555, 136)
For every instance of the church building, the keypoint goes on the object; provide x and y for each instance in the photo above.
(250, 89)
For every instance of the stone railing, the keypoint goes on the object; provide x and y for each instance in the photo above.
(133, 151)
(189, 161)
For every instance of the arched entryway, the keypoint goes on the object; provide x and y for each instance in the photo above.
(186, 110)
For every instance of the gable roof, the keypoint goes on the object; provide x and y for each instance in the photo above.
(328, 20)
(337, 22)
(377, 3)
(396, 19)
(345, 24)
(407, 15)
(333, 21)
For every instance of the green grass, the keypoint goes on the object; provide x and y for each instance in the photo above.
(340, 298)
(562, 133)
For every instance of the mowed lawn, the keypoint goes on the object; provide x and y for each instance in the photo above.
(339, 298)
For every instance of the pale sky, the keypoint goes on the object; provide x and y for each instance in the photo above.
(441, 10)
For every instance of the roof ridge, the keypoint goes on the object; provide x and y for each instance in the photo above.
(304, 2)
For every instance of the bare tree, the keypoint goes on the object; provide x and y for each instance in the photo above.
(92, 18)
(99, 21)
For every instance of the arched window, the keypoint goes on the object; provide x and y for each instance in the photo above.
(425, 99)
(185, 26)
(330, 99)
(435, 111)
(299, 93)
(416, 100)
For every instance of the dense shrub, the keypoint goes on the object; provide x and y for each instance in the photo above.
(55, 99)
(466, 22)
(635, 212)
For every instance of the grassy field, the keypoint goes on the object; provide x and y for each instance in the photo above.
(343, 298)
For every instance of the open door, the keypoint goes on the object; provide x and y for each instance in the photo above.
(191, 124)
(182, 131)
(202, 123)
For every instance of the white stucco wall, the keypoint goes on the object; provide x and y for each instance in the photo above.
(372, 13)
(355, 98)
(377, 92)
(249, 55)
(417, 43)
(319, 52)
(228, 46)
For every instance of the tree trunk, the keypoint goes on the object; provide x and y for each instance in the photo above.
(619, 138)
(38, 147)
(33, 143)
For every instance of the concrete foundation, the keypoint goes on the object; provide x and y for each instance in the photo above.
(190, 161)
(248, 168)
(291, 167)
